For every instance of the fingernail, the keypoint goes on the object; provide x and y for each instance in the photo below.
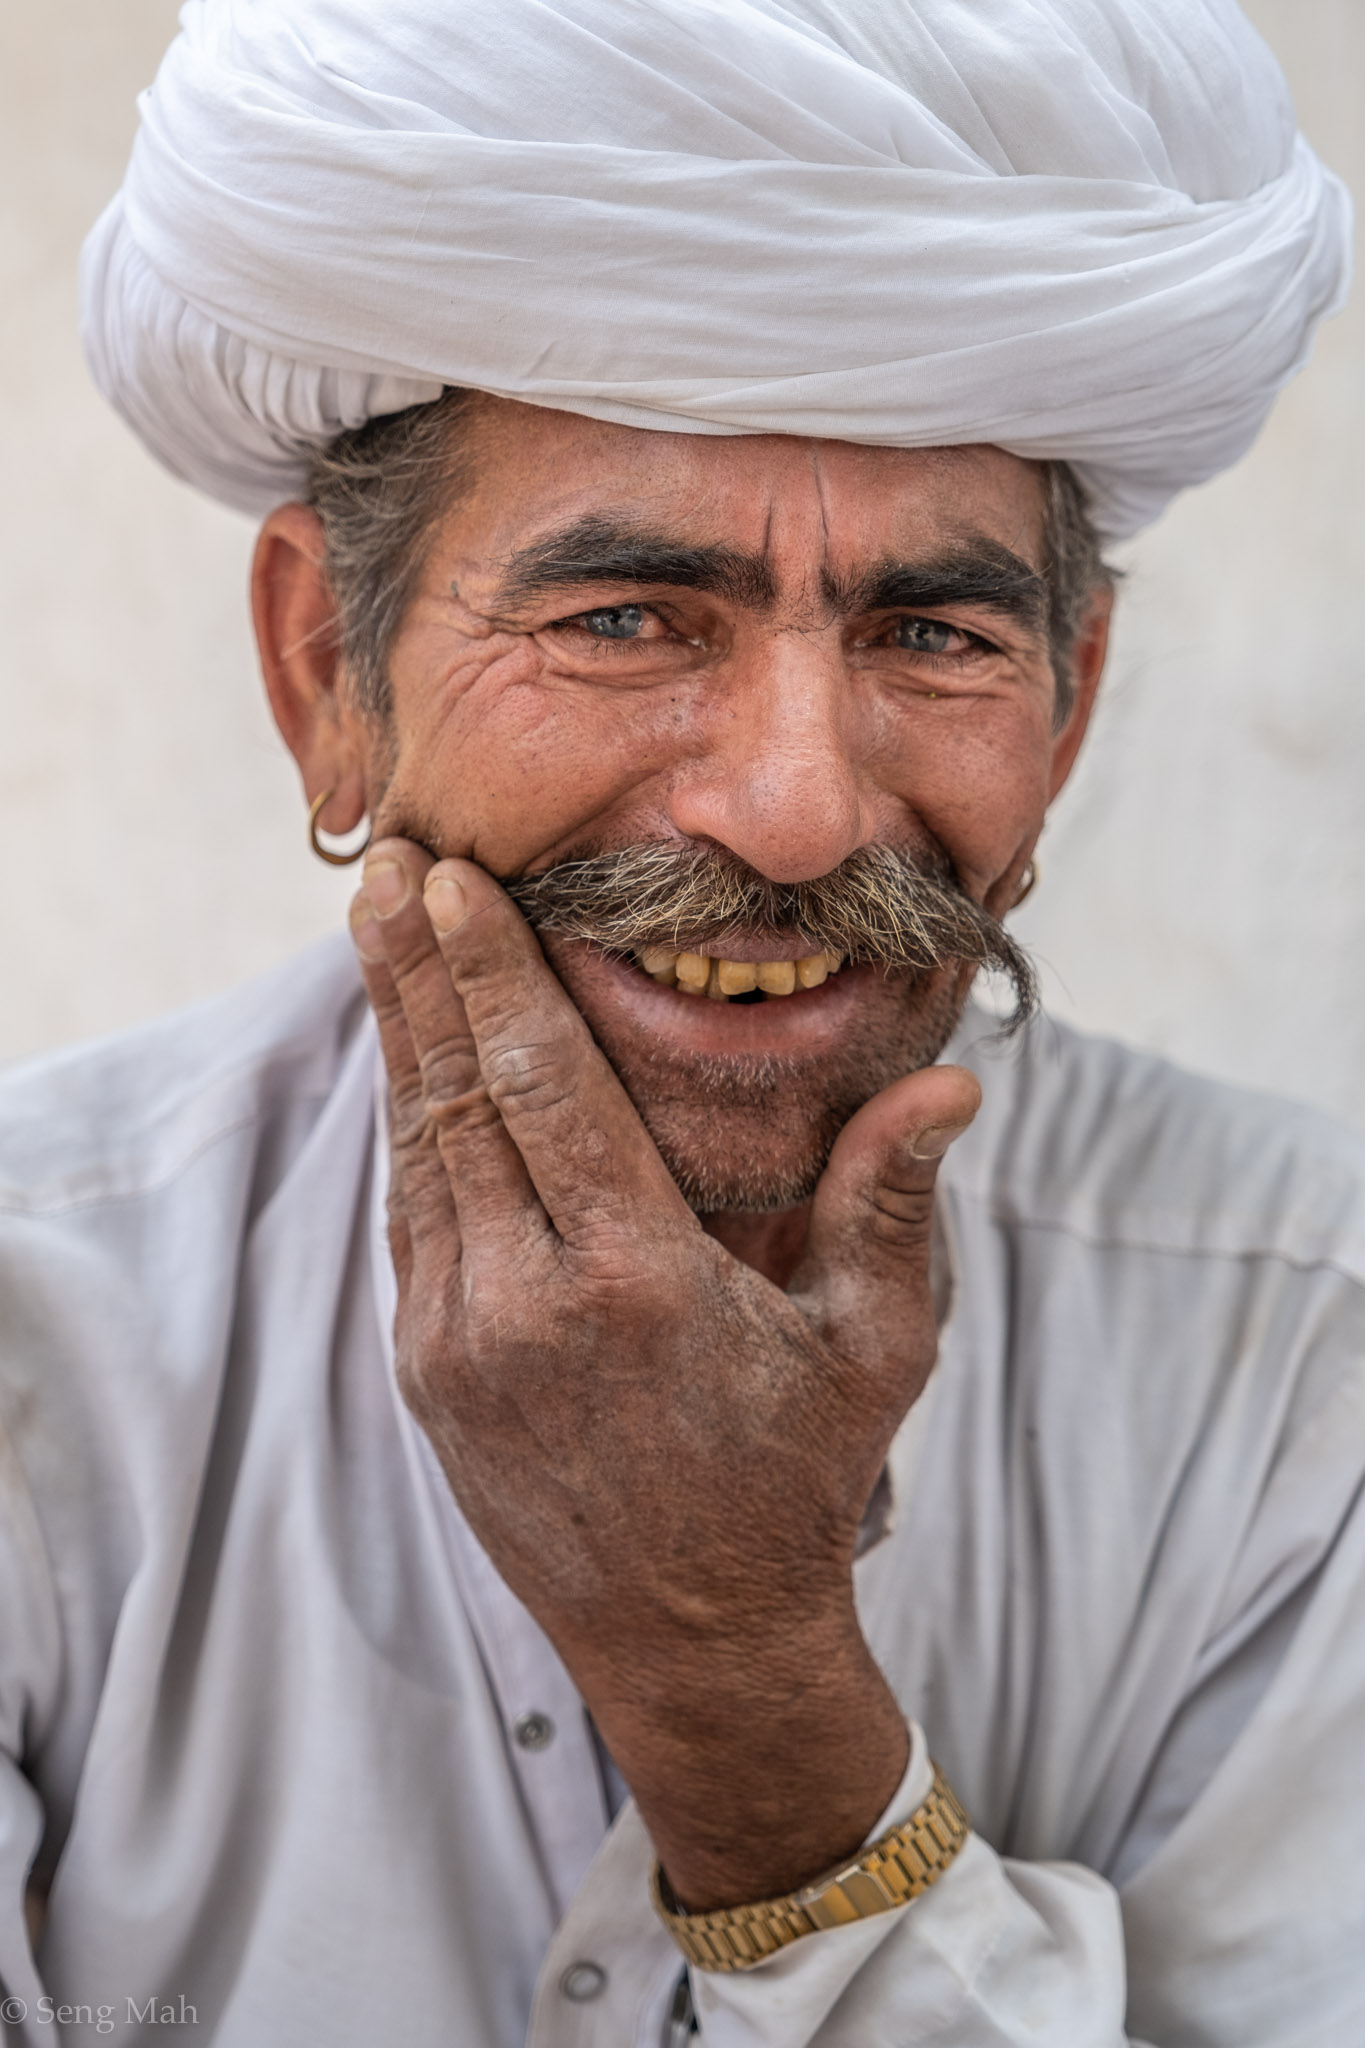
(445, 901)
(386, 885)
(934, 1142)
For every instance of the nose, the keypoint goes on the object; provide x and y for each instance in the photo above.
(777, 782)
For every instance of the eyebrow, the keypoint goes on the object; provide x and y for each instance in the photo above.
(982, 573)
(979, 572)
(600, 550)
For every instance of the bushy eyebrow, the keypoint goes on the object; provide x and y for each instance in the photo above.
(981, 573)
(601, 551)
(977, 571)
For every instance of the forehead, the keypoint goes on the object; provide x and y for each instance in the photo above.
(530, 471)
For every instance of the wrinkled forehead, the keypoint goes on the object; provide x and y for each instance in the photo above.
(797, 506)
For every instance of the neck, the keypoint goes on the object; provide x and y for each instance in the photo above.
(771, 1243)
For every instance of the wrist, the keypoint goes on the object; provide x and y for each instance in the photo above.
(755, 1766)
(901, 1864)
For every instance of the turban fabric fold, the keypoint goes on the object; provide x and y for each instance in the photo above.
(1073, 228)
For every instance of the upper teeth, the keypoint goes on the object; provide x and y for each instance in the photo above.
(697, 974)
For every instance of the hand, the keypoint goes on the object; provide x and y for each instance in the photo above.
(666, 1457)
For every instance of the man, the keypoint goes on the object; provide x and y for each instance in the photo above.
(508, 1484)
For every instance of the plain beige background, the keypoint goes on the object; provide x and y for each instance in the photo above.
(1203, 880)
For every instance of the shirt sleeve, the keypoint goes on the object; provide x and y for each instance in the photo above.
(30, 1659)
(1242, 1927)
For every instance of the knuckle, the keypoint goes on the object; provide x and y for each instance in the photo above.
(643, 1280)
(452, 1094)
(411, 955)
(412, 1133)
(412, 1145)
(605, 1274)
(472, 1111)
(527, 1075)
(901, 1215)
(417, 1179)
(449, 1069)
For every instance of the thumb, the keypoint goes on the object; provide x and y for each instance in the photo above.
(864, 1277)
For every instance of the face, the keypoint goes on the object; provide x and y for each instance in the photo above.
(784, 650)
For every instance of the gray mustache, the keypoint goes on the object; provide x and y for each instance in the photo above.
(878, 906)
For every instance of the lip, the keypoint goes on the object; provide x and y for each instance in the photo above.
(801, 1026)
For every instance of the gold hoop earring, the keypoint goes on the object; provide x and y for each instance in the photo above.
(327, 853)
(1028, 882)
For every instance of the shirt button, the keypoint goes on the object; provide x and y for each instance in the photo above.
(534, 1731)
(583, 1981)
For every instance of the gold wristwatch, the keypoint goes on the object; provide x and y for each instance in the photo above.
(890, 1872)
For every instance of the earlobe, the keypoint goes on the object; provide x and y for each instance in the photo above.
(294, 614)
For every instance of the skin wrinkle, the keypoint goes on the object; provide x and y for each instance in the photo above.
(817, 469)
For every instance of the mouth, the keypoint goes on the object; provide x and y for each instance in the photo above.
(735, 981)
(671, 1007)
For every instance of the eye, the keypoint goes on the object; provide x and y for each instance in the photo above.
(614, 622)
(928, 636)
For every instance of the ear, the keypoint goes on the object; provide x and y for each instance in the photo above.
(1087, 666)
(294, 614)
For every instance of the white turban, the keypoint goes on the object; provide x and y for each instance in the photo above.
(1073, 228)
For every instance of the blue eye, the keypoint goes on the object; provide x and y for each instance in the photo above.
(924, 636)
(617, 622)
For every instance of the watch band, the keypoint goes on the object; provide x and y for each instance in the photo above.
(890, 1872)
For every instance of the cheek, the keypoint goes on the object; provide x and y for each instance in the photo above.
(975, 773)
(510, 760)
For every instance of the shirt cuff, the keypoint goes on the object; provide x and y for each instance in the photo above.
(799, 1984)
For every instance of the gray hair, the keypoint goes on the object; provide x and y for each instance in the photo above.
(882, 905)
(380, 490)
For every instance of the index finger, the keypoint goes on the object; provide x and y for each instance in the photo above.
(433, 1062)
(585, 1147)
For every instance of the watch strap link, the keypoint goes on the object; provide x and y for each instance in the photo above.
(891, 1871)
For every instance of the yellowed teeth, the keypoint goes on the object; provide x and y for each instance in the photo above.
(697, 974)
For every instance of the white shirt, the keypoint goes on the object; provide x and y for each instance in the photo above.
(260, 1690)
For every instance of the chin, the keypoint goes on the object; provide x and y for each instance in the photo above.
(744, 1147)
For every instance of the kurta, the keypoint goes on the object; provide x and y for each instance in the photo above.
(296, 1768)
